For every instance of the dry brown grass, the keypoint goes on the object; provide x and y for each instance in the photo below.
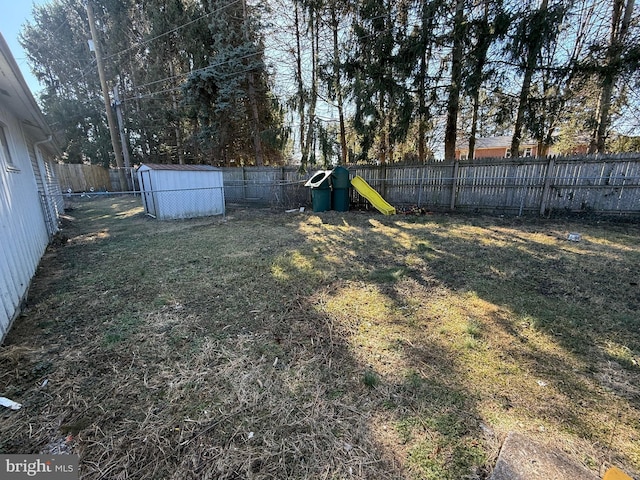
(269, 345)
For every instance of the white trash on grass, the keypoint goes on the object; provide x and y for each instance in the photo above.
(5, 402)
(574, 237)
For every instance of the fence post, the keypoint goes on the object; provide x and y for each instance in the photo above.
(282, 187)
(547, 186)
(454, 184)
(244, 183)
(383, 186)
(421, 186)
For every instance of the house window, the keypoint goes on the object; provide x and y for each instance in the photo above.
(5, 154)
(508, 153)
(527, 152)
(463, 156)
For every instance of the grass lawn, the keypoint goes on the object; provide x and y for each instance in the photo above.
(267, 345)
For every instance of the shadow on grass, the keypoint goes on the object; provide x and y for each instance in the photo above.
(550, 336)
(307, 346)
(177, 351)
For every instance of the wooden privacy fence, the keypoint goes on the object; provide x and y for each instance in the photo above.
(82, 178)
(603, 183)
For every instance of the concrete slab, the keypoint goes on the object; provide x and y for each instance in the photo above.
(524, 459)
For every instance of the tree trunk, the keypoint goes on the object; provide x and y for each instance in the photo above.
(251, 93)
(474, 124)
(257, 142)
(423, 113)
(422, 108)
(530, 67)
(338, 87)
(619, 28)
(522, 105)
(478, 68)
(178, 132)
(453, 104)
(314, 88)
(301, 99)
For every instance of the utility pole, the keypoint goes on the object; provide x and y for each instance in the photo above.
(107, 102)
(117, 104)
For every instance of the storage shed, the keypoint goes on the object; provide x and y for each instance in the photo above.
(181, 191)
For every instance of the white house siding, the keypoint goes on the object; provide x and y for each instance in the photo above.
(53, 188)
(48, 188)
(23, 232)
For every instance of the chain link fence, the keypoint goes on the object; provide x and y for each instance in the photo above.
(184, 203)
(277, 194)
(162, 204)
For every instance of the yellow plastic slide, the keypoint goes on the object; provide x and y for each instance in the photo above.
(364, 189)
(614, 473)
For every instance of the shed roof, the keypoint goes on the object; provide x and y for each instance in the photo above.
(182, 168)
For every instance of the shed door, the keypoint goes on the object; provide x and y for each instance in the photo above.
(148, 196)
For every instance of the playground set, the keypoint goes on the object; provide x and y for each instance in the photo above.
(330, 191)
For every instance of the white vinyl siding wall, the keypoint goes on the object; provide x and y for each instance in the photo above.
(23, 232)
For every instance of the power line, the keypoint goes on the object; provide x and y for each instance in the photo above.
(87, 68)
(228, 75)
(171, 31)
(199, 70)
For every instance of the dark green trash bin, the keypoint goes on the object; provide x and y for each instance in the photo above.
(320, 184)
(340, 193)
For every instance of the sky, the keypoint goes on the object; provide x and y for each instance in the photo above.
(15, 13)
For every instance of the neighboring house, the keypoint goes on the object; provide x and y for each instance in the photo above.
(495, 147)
(500, 147)
(30, 199)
